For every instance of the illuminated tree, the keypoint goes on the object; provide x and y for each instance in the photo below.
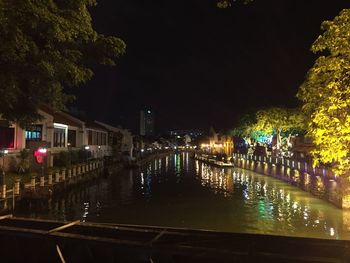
(283, 122)
(47, 45)
(244, 128)
(326, 95)
(228, 3)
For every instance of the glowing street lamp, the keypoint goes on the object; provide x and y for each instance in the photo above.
(3, 153)
(87, 148)
(40, 155)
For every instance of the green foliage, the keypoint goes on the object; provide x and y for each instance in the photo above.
(245, 126)
(69, 158)
(277, 120)
(262, 125)
(228, 3)
(326, 95)
(47, 45)
(24, 163)
(270, 121)
(63, 159)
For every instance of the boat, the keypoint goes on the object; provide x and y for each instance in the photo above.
(210, 159)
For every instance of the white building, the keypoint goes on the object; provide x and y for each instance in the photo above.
(127, 144)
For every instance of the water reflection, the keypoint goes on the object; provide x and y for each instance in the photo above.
(181, 192)
(279, 208)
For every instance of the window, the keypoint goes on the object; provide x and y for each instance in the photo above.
(34, 133)
(59, 137)
(7, 137)
(99, 138)
(94, 136)
(72, 138)
(90, 137)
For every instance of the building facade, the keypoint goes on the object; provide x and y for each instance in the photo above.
(56, 131)
(123, 139)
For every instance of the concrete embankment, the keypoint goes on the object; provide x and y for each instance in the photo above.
(65, 179)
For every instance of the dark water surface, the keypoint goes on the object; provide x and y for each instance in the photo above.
(177, 191)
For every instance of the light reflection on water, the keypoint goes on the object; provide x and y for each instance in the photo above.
(180, 192)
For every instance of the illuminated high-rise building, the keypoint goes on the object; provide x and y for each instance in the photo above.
(147, 123)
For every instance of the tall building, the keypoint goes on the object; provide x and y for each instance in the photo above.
(147, 123)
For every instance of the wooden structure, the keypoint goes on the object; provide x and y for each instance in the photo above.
(29, 240)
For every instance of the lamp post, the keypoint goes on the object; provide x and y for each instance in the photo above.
(40, 155)
(3, 153)
(87, 148)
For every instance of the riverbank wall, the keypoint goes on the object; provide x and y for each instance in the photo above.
(64, 179)
(53, 182)
(320, 182)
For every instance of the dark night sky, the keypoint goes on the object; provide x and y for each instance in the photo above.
(197, 65)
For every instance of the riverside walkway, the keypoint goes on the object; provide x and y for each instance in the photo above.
(33, 240)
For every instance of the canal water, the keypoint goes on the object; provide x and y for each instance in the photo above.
(177, 191)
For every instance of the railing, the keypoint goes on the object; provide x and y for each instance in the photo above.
(51, 179)
(301, 166)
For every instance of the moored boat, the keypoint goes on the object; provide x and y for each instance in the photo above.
(210, 159)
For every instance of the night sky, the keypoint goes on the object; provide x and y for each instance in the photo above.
(198, 66)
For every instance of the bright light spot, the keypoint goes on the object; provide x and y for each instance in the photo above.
(295, 205)
(331, 231)
(42, 150)
(6, 151)
(87, 147)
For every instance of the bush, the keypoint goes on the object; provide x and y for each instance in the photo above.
(74, 157)
(66, 159)
(63, 159)
(24, 163)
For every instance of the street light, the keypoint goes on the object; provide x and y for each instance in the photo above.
(3, 153)
(87, 148)
(40, 155)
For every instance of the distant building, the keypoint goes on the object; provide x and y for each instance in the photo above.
(147, 120)
(126, 144)
(191, 133)
(218, 143)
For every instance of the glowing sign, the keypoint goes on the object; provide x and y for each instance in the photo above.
(39, 155)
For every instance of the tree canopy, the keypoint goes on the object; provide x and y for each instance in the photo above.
(228, 3)
(277, 120)
(47, 45)
(245, 125)
(282, 122)
(326, 94)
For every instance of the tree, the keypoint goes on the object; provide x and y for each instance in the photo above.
(228, 3)
(284, 122)
(47, 45)
(244, 128)
(326, 95)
